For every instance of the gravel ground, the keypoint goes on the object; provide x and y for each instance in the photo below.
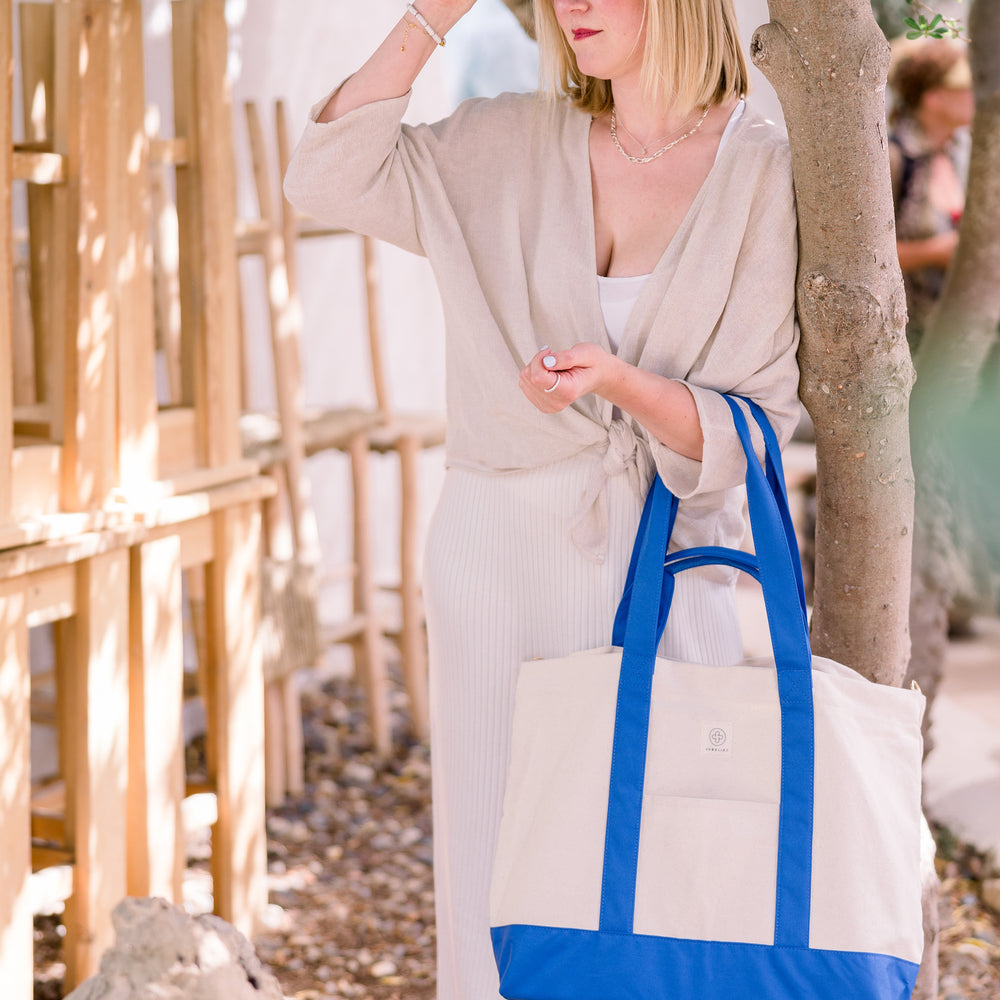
(352, 909)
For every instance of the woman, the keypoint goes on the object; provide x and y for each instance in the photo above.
(928, 155)
(609, 257)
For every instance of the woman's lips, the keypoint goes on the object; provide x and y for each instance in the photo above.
(579, 33)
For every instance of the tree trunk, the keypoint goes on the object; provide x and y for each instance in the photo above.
(960, 334)
(827, 61)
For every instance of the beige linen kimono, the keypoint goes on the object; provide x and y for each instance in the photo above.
(529, 545)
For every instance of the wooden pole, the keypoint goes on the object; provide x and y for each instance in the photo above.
(131, 244)
(206, 197)
(37, 56)
(16, 966)
(283, 313)
(96, 765)
(85, 70)
(6, 262)
(156, 732)
(235, 703)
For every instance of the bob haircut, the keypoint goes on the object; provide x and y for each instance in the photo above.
(692, 57)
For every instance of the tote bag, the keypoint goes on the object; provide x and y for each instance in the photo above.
(674, 831)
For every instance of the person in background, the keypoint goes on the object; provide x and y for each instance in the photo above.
(932, 107)
(611, 255)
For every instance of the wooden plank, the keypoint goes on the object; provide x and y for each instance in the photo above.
(156, 739)
(23, 335)
(222, 347)
(189, 206)
(84, 73)
(16, 967)
(50, 828)
(58, 553)
(171, 152)
(166, 285)
(35, 474)
(200, 480)
(197, 542)
(32, 419)
(119, 527)
(412, 640)
(96, 766)
(131, 247)
(49, 857)
(174, 510)
(178, 435)
(283, 315)
(50, 798)
(235, 703)
(207, 218)
(37, 91)
(6, 261)
(275, 769)
(376, 676)
(39, 167)
(50, 595)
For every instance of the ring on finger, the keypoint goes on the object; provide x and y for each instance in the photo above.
(555, 385)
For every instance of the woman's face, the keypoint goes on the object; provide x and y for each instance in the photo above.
(607, 36)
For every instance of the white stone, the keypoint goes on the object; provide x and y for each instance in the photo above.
(162, 951)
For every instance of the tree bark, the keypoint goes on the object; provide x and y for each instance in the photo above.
(960, 333)
(827, 61)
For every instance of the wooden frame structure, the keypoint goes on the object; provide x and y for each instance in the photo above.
(105, 498)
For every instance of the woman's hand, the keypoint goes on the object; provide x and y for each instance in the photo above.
(554, 379)
(665, 407)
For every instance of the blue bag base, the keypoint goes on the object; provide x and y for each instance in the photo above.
(552, 963)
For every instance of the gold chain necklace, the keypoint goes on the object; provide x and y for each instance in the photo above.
(660, 151)
(644, 146)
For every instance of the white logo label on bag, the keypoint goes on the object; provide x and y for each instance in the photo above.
(717, 738)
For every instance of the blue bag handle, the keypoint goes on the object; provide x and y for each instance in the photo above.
(638, 626)
(776, 481)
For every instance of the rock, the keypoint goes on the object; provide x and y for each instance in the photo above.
(359, 774)
(383, 969)
(161, 951)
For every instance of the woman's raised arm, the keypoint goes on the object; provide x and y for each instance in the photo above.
(392, 68)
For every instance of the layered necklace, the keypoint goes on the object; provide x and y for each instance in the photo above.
(649, 157)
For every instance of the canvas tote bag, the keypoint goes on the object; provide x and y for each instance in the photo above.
(674, 831)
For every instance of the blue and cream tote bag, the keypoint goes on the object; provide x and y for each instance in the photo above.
(674, 831)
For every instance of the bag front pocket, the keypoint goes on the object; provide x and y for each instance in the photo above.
(716, 861)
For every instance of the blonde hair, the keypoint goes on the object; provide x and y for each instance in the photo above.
(692, 57)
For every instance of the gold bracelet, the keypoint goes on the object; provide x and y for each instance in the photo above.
(406, 33)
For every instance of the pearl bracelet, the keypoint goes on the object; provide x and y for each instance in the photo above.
(422, 21)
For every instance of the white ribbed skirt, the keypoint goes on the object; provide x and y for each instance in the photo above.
(503, 583)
